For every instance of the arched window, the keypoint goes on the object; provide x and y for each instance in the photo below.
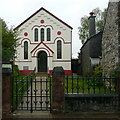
(25, 50)
(59, 49)
(36, 34)
(42, 34)
(48, 34)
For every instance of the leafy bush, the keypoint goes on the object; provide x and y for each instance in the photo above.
(16, 71)
(113, 71)
(96, 73)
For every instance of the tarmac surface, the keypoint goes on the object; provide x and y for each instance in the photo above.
(63, 116)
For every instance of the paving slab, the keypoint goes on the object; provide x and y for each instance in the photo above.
(63, 116)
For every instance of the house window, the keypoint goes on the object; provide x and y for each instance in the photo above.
(25, 67)
(36, 34)
(59, 49)
(48, 34)
(42, 34)
(25, 50)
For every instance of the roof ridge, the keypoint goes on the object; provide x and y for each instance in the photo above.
(48, 13)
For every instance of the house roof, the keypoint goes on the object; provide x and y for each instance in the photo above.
(91, 38)
(46, 12)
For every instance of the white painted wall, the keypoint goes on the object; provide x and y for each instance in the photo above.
(55, 26)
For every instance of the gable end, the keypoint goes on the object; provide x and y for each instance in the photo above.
(46, 12)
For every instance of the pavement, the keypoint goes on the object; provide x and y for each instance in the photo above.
(63, 116)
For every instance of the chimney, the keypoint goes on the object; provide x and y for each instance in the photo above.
(92, 27)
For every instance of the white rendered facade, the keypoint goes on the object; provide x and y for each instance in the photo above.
(49, 30)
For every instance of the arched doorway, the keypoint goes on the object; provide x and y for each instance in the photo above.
(42, 61)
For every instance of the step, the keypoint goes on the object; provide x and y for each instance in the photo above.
(41, 74)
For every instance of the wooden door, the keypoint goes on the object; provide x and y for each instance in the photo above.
(42, 61)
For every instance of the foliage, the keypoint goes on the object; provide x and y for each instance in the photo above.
(113, 71)
(21, 84)
(16, 71)
(9, 38)
(84, 28)
(96, 73)
(78, 84)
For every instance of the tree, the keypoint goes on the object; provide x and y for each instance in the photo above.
(9, 38)
(100, 22)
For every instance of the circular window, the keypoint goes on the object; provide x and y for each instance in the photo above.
(25, 34)
(42, 21)
(59, 32)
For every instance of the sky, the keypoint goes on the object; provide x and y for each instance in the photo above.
(15, 12)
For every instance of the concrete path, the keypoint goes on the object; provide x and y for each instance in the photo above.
(64, 116)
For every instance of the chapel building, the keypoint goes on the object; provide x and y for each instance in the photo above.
(45, 42)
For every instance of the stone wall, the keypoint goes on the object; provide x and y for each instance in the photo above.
(91, 103)
(110, 41)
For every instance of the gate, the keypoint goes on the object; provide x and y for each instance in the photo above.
(32, 94)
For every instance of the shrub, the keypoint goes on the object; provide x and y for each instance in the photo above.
(113, 71)
(96, 73)
(16, 71)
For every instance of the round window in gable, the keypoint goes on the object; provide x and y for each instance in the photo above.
(59, 32)
(25, 34)
(42, 21)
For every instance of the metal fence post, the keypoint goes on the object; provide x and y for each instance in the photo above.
(58, 97)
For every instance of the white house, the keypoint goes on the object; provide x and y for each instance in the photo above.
(45, 42)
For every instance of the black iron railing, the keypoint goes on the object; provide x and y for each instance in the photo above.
(77, 84)
(88, 94)
(32, 93)
(20, 87)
